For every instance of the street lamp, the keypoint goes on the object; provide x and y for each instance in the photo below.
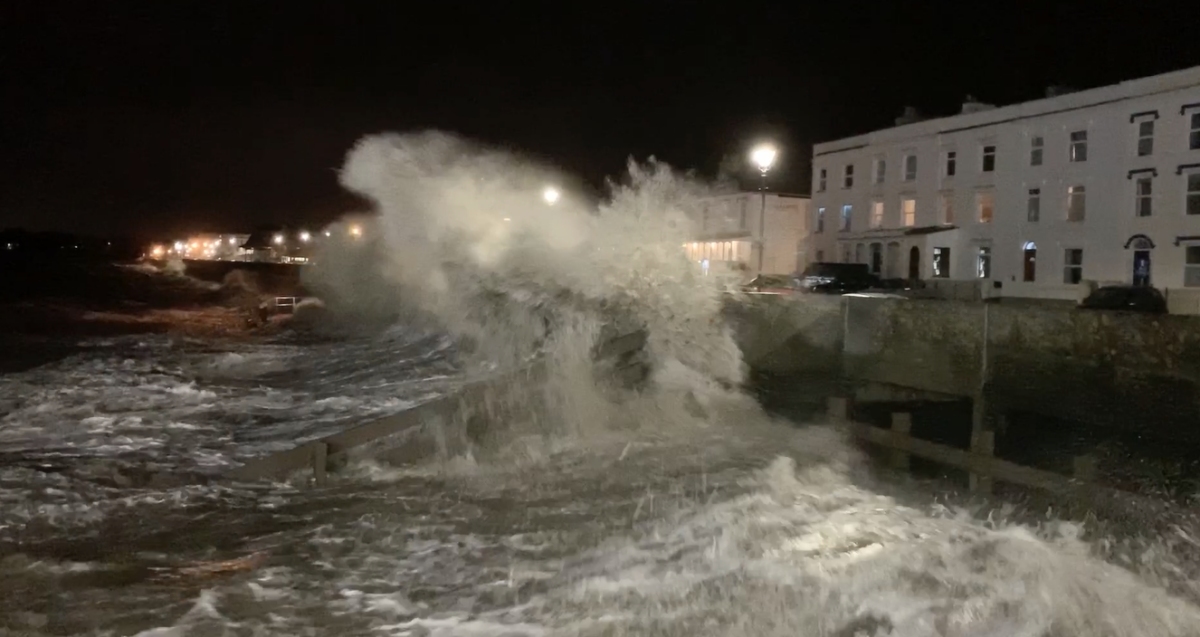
(278, 239)
(763, 156)
(551, 195)
(304, 236)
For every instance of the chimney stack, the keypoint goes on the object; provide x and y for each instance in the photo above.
(911, 115)
(972, 105)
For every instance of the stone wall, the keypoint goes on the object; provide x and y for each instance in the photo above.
(788, 335)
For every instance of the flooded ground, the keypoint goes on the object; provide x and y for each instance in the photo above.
(731, 524)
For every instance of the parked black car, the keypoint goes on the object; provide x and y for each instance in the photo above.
(837, 278)
(1126, 297)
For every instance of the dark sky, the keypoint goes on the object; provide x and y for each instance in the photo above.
(167, 116)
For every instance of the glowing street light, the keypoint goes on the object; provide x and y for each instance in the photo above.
(551, 195)
(763, 157)
(355, 231)
(232, 241)
(278, 239)
(328, 233)
(304, 236)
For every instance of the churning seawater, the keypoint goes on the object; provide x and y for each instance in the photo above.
(677, 507)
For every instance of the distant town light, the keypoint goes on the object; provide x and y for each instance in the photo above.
(328, 233)
(278, 239)
(355, 231)
(179, 246)
(156, 251)
(304, 236)
(232, 241)
(551, 195)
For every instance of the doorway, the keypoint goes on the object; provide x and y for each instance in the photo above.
(1141, 268)
(1029, 261)
(914, 263)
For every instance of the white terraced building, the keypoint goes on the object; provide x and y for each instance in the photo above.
(732, 230)
(1036, 200)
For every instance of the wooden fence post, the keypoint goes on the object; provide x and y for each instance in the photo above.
(901, 425)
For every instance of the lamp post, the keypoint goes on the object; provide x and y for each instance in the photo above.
(763, 156)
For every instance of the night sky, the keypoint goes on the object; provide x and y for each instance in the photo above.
(164, 117)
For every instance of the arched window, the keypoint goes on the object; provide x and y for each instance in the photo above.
(1029, 261)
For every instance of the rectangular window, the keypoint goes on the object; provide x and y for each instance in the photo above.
(946, 207)
(941, 263)
(1034, 207)
(847, 211)
(1144, 203)
(1193, 194)
(910, 167)
(876, 214)
(821, 179)
(880, 170)
(1072, 265)
(820, 220)
(1079, 145)
(1076, 203)
(848, 176)
(1145, 142)
(908, 212)
(1191, 268)
(985, 206)
(1035, 151)
(989, 159)
(951, 163)
(1194, 137)
(983, 263)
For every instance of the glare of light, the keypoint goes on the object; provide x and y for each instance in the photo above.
(179, 246)
(232, 241)
(507, 219)
(156, 251)
(763, 156)
(355, 231)
(551, 194)
(328, 233)
(304, 236)
(278, 239)
(195, 245)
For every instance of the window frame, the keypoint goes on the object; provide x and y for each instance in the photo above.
(1033, 213)
(1190, 267)
(904, 213)
(1146, 198)
(1191, 193)
(1079, 190)
(1141, 136)
(934, 271)
(845, 220)
(822, 179)
(983, 255)
(848, 177)
(910, 158)
(950, 163)
(879, 171)
(946, 205)
(1037, 150)
(987, 152)
(1072, 269)
(980, 197)
(820, 224)
(1194, 131)
(876, 221)
(1077, 149)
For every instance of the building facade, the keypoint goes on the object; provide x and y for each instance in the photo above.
(735, 233)
(1036, 199)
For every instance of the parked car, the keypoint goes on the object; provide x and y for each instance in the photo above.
(837, 278)
(1129, 298)
(773, 284)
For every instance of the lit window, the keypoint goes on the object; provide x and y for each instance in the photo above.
(880, 170)
(1034, 206)
(985, 205)
(1193, 193)
(946, 207)
(1072, 265)
(1145, 142)
(1191, 268)
(876, 214)
(821, 179)
(847, 211)
(951, 163)
(941, 263)
(989, 159)
(910, 167)
(983, 263)
(1079, 145)
(1144, 203)
(1029, 262)
(908, 211)
(820, 220)
(1194, 137)
(1076, 203)
(848, 176)
(1035, 151)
